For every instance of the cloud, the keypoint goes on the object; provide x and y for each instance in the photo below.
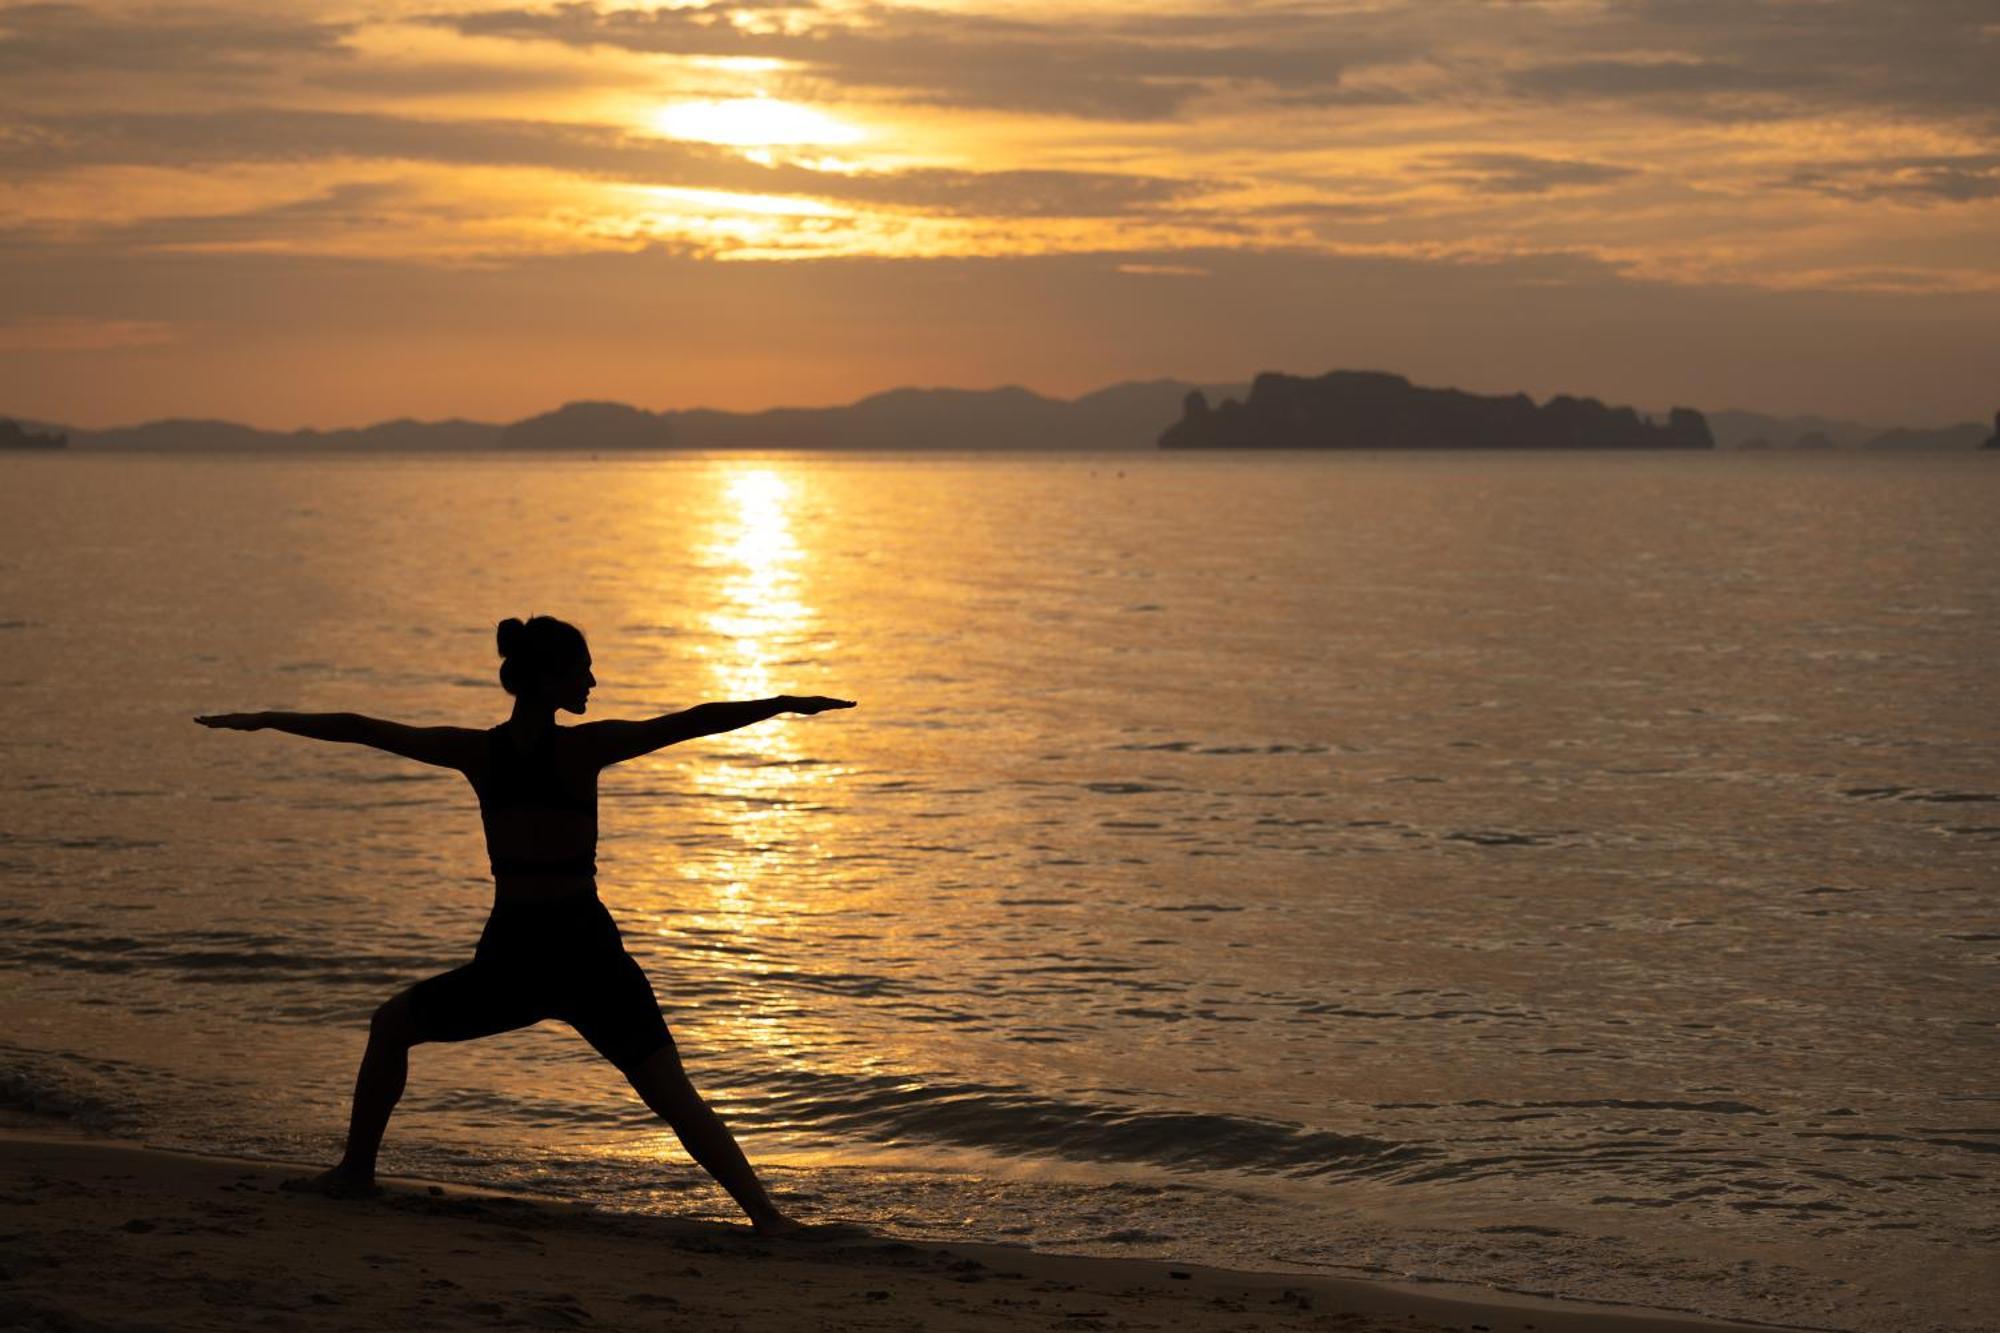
(207, 139)
(337, 214)
(1695, 59)
(1691, 59)
(1521, 173)
(42, 37)
(271, 134)
(1951, 179)
(1027, 193)
(1713, 141)
(1132, 69)
(457, 78)
(1647, 78)
(1751, 59)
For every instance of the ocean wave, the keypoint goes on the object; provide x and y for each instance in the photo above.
(204, 956)
(69, 1090)
(1011, 1120)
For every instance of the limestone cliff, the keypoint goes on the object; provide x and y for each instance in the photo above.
(1349, 409)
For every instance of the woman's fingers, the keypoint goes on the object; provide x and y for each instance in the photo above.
(232, 721)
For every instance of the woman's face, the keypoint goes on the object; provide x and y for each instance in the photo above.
(569, 689)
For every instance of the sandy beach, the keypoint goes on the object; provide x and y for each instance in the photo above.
(115, 1236)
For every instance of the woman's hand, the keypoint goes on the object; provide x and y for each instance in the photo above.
(813, 703)
(234, 721)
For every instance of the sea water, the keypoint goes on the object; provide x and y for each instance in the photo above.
(1568, 873)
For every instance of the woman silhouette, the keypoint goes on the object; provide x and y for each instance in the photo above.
(549, 949)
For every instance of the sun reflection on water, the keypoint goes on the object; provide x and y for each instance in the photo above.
(760, 785)
(760, 615)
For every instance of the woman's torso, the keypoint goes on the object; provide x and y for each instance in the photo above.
(539, 809)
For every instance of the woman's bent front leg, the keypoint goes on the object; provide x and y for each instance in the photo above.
(385, 1068)
(664, 1086)
(378, 1086)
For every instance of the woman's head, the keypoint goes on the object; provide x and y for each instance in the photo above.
(545, 659)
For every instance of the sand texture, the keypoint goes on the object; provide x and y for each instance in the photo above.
(96, 1237)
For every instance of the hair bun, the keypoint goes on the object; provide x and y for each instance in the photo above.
(509, 636)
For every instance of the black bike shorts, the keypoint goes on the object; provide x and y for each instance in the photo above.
(537, 960)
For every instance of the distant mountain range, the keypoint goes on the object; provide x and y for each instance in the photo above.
(1128, 415)
(1756, 430)
(1123, 416)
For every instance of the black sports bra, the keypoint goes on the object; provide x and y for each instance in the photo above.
(515, 782)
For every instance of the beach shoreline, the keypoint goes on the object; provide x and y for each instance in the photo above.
(109, 1234)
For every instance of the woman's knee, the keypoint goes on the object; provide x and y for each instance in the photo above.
(661, 1081)
(391, 1023)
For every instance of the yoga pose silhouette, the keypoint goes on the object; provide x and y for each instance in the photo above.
(549, 949)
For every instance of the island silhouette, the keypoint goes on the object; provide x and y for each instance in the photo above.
(1358, 409)
(12, 436)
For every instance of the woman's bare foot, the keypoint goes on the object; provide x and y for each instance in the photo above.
(335, 1182)
(779, 1227)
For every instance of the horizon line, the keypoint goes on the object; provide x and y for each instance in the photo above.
(1241, 384)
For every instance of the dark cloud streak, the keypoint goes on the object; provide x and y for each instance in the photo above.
(61, 37)
(1695, 59)
(1961, 178)
(1522, 173)
(188, 140)
(1753, 59)
(1099, 70)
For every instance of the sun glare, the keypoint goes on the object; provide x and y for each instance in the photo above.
(752, 122)
(732, 201)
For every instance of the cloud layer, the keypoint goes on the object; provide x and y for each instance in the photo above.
(1776, 145)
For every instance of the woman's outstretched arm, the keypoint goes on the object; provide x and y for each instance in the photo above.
(447, 747)
(613, 742)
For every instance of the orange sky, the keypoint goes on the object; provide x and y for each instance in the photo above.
(330, 213)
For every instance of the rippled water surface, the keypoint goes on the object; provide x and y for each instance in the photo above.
(1571, 874)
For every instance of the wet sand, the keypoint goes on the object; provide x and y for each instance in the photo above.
(103, 1236)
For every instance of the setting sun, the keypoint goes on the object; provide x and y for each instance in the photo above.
(753, 122)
